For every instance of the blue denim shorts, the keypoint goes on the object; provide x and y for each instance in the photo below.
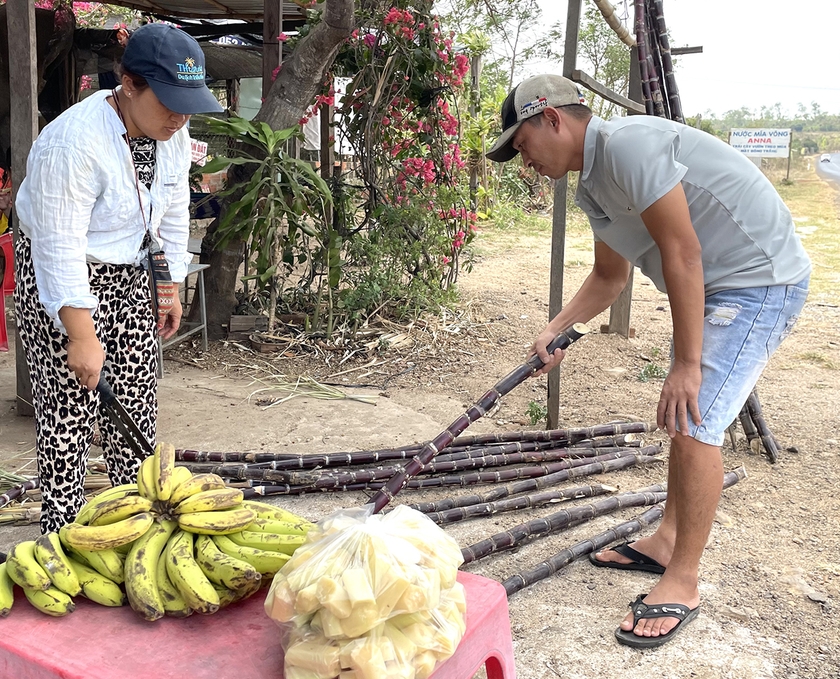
(742, 328)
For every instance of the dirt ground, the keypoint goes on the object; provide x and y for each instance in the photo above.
(771, 573)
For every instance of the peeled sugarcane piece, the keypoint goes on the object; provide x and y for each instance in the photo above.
(517, 503)
(280, 602)
(390, 582)
(333, 596)
(319, 656)
(478, 410)
(331, 625)
(424, 664)
(306, 601)
(553, 522)
(366, 658)
(547, 568)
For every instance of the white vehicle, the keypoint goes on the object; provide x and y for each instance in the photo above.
(825, 158)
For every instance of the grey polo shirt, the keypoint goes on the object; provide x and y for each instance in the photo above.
(744, 228)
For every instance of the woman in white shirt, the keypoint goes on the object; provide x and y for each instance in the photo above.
(107, 182)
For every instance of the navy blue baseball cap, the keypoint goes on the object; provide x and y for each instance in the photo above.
(173, 64)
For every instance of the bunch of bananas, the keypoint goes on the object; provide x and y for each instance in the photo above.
(172, 543)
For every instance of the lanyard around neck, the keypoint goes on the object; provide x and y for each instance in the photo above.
(131, 157)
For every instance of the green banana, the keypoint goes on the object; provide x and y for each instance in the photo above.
(216, 523)
(173, 602)
(164, 463)
(263, 510)
(51, 556)
(287, 544)
(96, 538)
(280, 527)
(265, 562)
(141, 570)
(229, 596)
(97, 587)
(51, 601)
(210, 500)
(222, 569)
(112, 493)
(146, 485)
(187, 575)
(24, 569)
(7, 591)
(118, 509)
(197, 483)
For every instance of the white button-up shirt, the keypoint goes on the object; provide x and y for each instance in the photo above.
(79, 204)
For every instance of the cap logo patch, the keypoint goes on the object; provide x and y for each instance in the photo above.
(533, 106)
(189, 70)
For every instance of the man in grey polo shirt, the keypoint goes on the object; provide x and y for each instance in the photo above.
(709, 229)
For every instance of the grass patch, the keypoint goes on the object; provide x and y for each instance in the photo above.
(819, 359)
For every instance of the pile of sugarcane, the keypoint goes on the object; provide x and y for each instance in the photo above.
(557, 455)
(756, 430)
(659, 87)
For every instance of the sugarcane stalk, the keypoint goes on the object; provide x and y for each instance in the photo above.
(767, 438)
(463, 480)
(516, 503)
(673, 92)
(656, 63)
(530, 485)
(553, 522)
(563, 558)
(484, 405)
(641, 46)
(15, 492)
(749, 429)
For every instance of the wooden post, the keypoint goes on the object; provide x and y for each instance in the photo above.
(475, 108)
(23, 90)
(233, 92)
(272, 47)
(620, 310)
(558, 228)
(327, 150)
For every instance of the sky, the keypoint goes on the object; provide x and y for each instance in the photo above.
(755, 52)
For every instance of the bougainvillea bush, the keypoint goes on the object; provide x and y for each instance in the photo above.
(401, 200)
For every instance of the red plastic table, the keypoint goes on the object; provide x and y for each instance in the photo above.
(239, 642)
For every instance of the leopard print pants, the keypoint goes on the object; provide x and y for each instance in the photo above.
(66, 413)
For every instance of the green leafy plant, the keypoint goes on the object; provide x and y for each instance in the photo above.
(536, 412)
(280, 208)
(651, 371)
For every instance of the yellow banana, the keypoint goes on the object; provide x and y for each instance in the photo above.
(222, 569)
(287, 544)
(106, 562)
(216, 523)
(280, 527)
(187, 575)
(118, 509)
(51, 556)
(164, 464)
(95, 538)
(197, 483)
(141, 570)
(173, 602)
(265, 562)
(24, 570)
(229, 596)
(263, 510)
(180, 475)
(108, 494)
(7, 591)
(146, 485)
(210, 500)
(97, 587)
(51, 601)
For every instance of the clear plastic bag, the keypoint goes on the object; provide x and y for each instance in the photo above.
(369, 596)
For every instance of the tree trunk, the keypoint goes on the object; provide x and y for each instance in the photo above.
(297, 84)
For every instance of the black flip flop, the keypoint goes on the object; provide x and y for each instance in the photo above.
(642, 611)
(640, 561)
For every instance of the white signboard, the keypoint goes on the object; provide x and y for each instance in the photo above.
(199, 151)
(761, 143)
